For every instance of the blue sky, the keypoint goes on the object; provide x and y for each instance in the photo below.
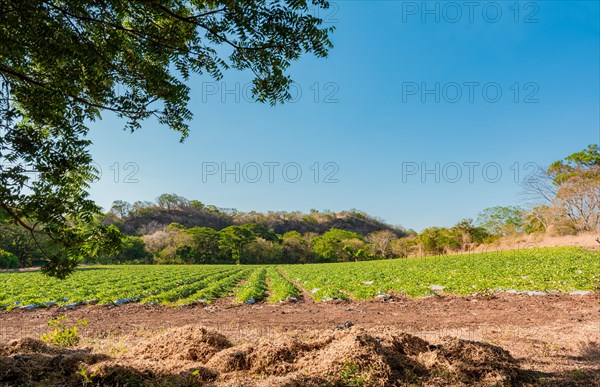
(472, 98)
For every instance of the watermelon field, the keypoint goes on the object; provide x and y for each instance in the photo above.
(548, 270)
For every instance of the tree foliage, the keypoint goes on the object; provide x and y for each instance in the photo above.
(234, 241)
(577, 177)
(570, 192)
(579, 165)
(8, 260)
(338, 244)
(18, 241)
(205, 242)
(381, 242)
(64, 63)
(501, 220)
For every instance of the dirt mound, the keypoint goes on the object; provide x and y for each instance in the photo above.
(175, 357)
(26, 345)
(232, 359)
(366, 358)
(467, 361)
(195, 355)
(28, 360)
(482, 361)
(140, 373)
(282, 356)
(374, 358)
(189, 343)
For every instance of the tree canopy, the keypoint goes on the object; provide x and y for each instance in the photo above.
(501, 220)
(64, 63)
(582, 165)
(577, 178)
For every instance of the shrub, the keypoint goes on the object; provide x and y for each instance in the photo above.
(63, 335)
(8, 260)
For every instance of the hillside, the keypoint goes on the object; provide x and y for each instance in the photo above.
(151, 218)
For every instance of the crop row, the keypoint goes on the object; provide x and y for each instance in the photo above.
(547, 270)
(99, 284)
(280, 288)
(170, 294)
(255, 289)
(218, 289)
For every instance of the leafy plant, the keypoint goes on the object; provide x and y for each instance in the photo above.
(88, 378)
(8, 260)
(350, 374)
(255, 288)
(64, 335)
(217, 289)
(560, 269)
(280, 288)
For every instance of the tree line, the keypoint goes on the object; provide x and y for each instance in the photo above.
(175, 230)
(254, 243)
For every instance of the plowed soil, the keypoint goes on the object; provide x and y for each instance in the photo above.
(441, 340)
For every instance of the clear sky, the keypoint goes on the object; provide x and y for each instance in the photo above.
(422, 115)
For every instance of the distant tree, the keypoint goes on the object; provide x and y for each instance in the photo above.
(577, 178)
(404, 247)
(159, 241)
(133, 249)
(297, 248)
(355, 249)
(234, 241)
(172, 201)
(205, 245)
(262, 231)
(537, 219)
(571, 187)
(262, 251)
(291, 235)
(469, 234)
(330, 246)
(381, 243)
(465, 230)
(121, 208)
(439, 240)
(501, 220)
(196, 204)
(8, 260)
(175, 227)
(140, 208)
(172, 245)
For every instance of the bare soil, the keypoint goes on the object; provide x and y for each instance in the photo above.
(586, 240)
(499, 339)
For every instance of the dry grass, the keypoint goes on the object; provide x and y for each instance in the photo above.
(585, 240)
(193, 354)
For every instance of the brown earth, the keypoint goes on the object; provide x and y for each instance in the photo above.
(551, 340)
(587, 240)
